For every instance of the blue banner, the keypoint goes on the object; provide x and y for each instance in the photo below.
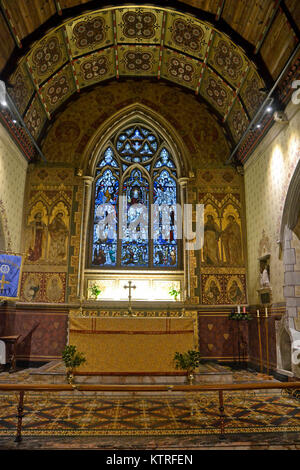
(10, 276)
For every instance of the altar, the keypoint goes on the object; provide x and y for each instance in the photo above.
(127, 345)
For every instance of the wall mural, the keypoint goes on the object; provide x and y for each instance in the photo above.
(47, 234)
(221, 262)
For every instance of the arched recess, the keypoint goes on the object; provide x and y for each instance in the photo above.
(135, 112)
(288, 335)
(95, 147)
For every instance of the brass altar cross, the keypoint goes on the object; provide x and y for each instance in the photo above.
(129, 287)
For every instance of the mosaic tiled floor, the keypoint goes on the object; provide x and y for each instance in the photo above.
(198, 414)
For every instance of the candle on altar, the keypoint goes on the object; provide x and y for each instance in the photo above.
(266, 310)
(257, 312)
(239, 309)
(244, 309)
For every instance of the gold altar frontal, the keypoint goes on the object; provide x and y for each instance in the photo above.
(131, 344)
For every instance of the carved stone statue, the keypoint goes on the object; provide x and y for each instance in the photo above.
(264, 275)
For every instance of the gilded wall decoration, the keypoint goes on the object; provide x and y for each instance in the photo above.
(32, 287)
(221, 261)
(55, 285)
(43, 287)
(95, 67)
(222, 231)
(48, 228)
(200, 131)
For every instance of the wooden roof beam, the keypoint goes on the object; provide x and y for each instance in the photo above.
(268, 26)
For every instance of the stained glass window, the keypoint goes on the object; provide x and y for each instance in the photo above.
(138, 171)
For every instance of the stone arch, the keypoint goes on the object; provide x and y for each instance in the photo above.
(135, 112)
(289, 334)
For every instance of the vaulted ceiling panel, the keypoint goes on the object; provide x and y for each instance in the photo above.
(251, 93)
(216, 91)
(141, 25)
(35, 117)
(228, 60)
(187, 35)
(180, 69)
(95, 67)
(238, 120)
(90, 32)
(138, 60)
(47, 56)
(59, 88)
(22, 87)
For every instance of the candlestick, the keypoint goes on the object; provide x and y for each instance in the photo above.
(244, 309)
(259, 342)
(266, 310)
(239, 309)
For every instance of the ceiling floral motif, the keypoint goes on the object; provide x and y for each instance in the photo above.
(149, 42)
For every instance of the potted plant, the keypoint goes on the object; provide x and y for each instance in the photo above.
(95, 291)
(72, 359)
(188, 361)
(174, 292)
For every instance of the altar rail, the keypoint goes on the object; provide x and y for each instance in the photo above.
(220, 388)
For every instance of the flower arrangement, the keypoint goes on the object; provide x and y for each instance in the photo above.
(95, 291)
(174, 292)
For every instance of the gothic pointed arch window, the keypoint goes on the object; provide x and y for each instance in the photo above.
(138, 169)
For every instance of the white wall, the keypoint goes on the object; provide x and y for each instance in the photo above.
(267, 177)
(13, 168)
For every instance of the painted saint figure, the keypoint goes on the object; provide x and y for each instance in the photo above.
(38, 236)
(232, 242)
(211, 237)
(58, 235)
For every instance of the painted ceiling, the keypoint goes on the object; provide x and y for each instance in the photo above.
(124, 42)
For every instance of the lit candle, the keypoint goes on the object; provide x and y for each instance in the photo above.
(239, 309)
(257, 311)
(266, 312)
